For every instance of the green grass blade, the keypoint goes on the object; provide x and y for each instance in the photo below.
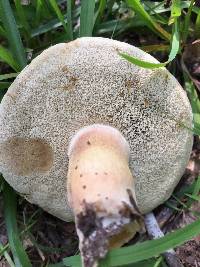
(70, 4)
(175, 11)
(44, 28)
(145, 250)
(159, 7)
(20, 257)
(52, 24)
(8, 76)
(42, 11)
(152, 10)
(150, 23)
(197, 26)
(172, 206)
(22, 16)
(158, 262)
(87, 17)
(196, 198)
(2, 31)
(173, 52)
(194, 101)
(183, 205)
(195, 9)
(13, 35)
(60, 264)
(197, 187)
(7, 57)
(142, 63)
(4, 85)
(187, 21)
(58, 13)
(189, 189)
(175, 42)
(100, 12)
(194, 194)
(146, 263)
(6, 256)
(38, 11)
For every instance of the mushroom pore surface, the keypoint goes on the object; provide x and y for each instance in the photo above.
(84, 82)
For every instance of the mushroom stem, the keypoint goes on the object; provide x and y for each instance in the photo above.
(101, 191)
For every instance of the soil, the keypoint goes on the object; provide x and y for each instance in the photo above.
(189, 253)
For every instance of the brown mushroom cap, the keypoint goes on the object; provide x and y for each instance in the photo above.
(84, 82)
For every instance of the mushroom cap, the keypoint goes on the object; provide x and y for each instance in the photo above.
(84, 82)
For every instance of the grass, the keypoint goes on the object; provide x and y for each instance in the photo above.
(12, 34)
(19, 254)
(29, 29)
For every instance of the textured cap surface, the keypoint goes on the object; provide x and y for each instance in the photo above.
(73, 85)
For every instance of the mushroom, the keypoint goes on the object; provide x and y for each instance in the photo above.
(90, 137)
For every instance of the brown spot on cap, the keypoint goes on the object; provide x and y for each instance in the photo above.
(71, 84)
(26, 156)
(13, 96)
(65, 69)
(146, 103)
